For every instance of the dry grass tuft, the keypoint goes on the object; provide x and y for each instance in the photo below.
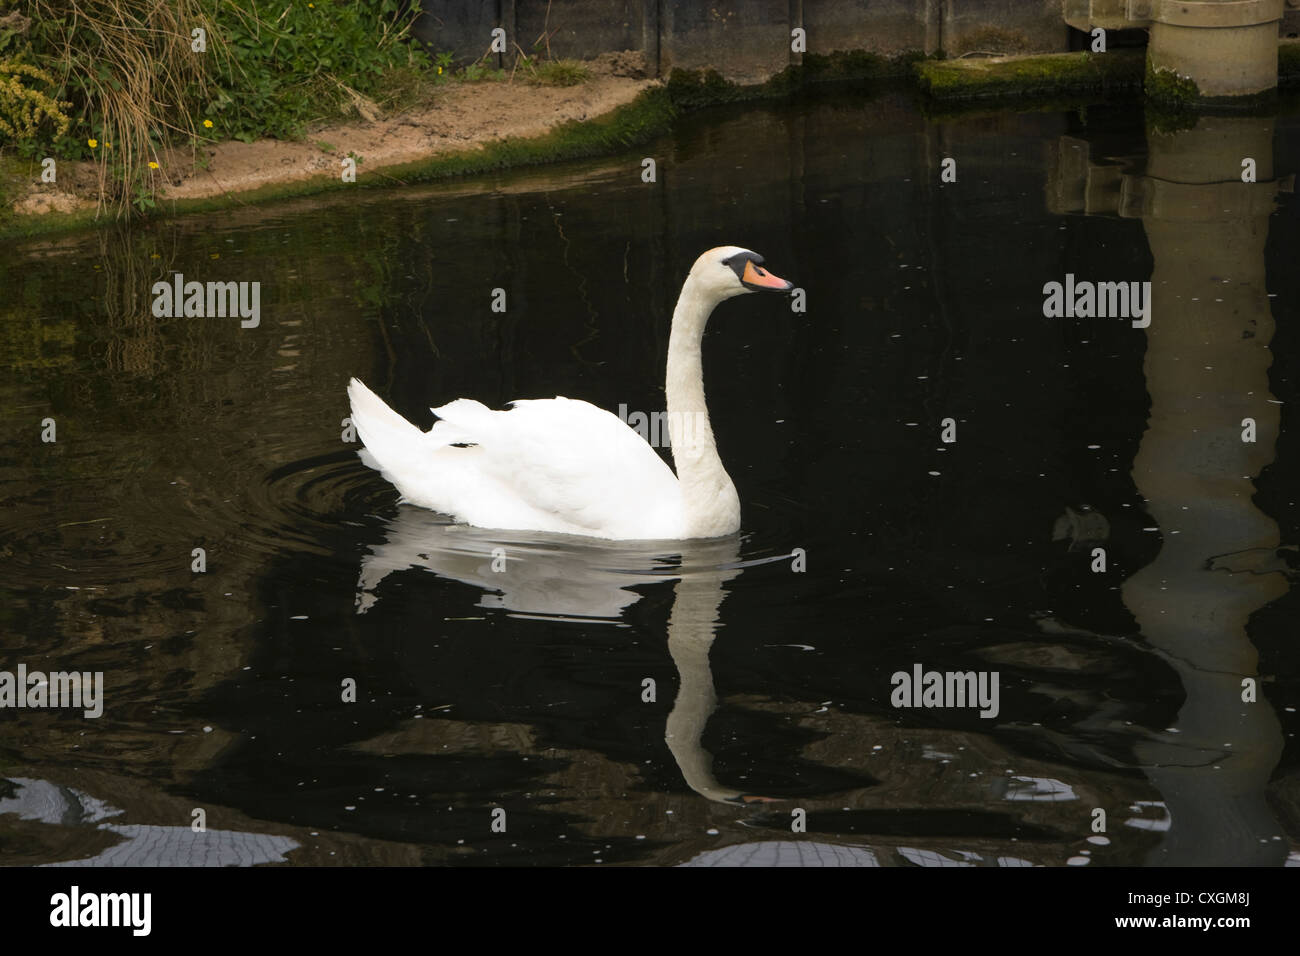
(143, 71)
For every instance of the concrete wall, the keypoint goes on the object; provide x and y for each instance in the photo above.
(1003, 26)
(461, 26)
(881, 26)
(744, 40)
(580, 29)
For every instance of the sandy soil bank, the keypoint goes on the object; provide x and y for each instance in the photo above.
(464, 116)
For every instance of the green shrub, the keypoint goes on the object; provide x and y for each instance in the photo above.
(289, 65)
(24, 108)
(562, 73)
(116, 71)
(118, 81)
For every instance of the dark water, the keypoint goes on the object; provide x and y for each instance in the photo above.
(524, 691)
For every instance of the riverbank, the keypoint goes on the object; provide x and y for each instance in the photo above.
(473, 127)
(464, 121)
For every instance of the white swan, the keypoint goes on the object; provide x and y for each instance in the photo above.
(566, 466)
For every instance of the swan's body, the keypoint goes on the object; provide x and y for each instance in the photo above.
(563, 465)
(558, 465)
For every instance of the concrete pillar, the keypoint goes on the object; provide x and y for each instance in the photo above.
(1227, 48)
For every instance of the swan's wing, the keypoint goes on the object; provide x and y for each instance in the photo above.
(563, 458)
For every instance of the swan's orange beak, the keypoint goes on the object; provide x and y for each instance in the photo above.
(760, 280)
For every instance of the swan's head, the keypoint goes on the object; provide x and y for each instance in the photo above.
(730, 270)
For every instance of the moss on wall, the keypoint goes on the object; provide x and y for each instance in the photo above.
(1048, 75)
(1168, 88)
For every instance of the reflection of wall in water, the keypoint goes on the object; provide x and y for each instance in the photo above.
(1206, 370)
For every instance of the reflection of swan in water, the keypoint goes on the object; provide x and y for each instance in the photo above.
(524, 573)
(584, 580)
(697, 597)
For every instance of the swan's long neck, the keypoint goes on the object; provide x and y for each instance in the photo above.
(708, 496)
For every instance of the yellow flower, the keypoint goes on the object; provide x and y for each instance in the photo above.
(92, 143)
(207, 124)
(440, 71)
(152, 164)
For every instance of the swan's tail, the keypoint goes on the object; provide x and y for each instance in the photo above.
(392, 443)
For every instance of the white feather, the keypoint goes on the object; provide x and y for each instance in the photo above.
(555, 464)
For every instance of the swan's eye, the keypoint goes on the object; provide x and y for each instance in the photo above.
(738, 261)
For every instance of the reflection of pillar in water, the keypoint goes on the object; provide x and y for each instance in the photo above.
(1206, 369)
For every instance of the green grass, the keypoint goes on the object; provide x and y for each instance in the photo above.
(562, 73)
(1031, 76)
(650, 114)
(480, 73)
